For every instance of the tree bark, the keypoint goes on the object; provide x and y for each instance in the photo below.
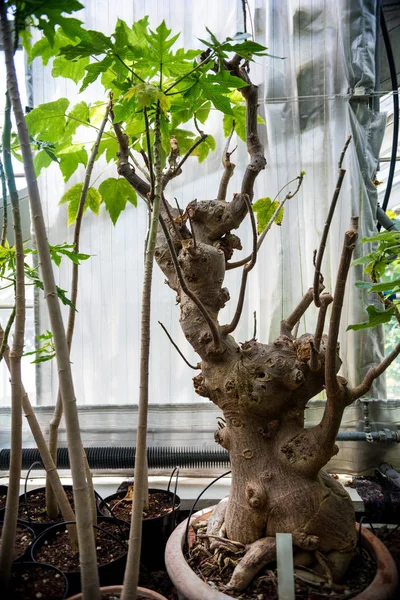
(88, 559)
(140, 484)
(11, 514)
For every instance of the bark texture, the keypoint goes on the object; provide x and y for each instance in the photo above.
(278, 484)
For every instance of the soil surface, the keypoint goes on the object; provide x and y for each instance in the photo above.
(38, 582)
(57, 551)
(361, 572)
(158, 581)
(23, 540)
(36, 508)
(160, 504)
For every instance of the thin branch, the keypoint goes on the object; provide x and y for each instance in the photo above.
(150, 158)
(129, 68)
(255, 325)
(288, 324)
(203, 62)
(246, 270)
(373, 373)
(171, 173)
(326, 300)
(322, 245)
(124, 167)
(331, 382)
(170, 217)
(139, 166)
(177, 348)
(228, 168)
(7, 329)
(288, 196)
(4, 193)
(213, 327)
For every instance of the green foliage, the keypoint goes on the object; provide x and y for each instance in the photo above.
(44, 351)
(265, 209)
(382, 263)
(57, 252)
(115, 194)
(72, 198)
(74, 70)
(375, 317)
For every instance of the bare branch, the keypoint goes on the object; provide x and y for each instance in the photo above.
(322, 245)
(372, 374)
(177, 349)
(331, 382)
(124, 167)
(139, 166)
(228, 166)
(7, 329)
(149, 154)
(314, 362)
(326, 299)
(212, 325)
(288, 196)
(288, 324)
(246, 270)
(171, 173)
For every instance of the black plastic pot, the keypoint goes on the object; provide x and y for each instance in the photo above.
(25, 555)
(30, 567)
(3, 492)
(38, 528)
(109, 574)
(155, 531)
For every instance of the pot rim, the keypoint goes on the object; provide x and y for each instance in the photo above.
(35, 565)
(184, 578)
(156, 490)
(150, 594)
(39, 539)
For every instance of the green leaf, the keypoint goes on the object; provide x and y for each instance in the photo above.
(387, 286)
(375, 317)
(109, 145)
(42, 160)
(213, 91)
(70, 158)
(72, 198)
(74, 70)
(115, 194)
(64, 299)
(94, 69)
(78, 116)
(204, 148)
(160, 44)
(265, 209)
(48, 120)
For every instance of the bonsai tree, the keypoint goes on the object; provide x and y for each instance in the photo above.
(278, 484)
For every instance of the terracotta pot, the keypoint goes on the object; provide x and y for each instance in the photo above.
(191, 587)
(113, 589)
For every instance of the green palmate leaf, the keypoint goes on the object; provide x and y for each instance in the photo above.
(203, 112)
(125, 110)
(115, 194)
(94, 70)
(61, 250)
(109, 145)
(95, 43)
(48, 120)
(78, 116)
(161, 43)
(375, 317)
(70, 158)
(388, 286)
(64, 299)
(42, 160)
(72, 198)
(203, 150)
(362, 260)
(74, 70)
(265, 209)
(384, 236)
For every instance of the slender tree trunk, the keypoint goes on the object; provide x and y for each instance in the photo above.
(132, 566)
(88, 559)
(51, 504)
(11, 515)
(4, 193)
(51, 471)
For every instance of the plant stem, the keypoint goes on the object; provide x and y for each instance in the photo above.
(10, 518)
(4, 193)
(88, 559)
(51, 505)
(133, 561)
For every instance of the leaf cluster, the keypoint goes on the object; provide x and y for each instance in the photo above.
(382, 265)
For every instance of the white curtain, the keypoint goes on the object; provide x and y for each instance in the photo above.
(328, 50)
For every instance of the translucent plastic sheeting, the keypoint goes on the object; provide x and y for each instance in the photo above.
(306, 100)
